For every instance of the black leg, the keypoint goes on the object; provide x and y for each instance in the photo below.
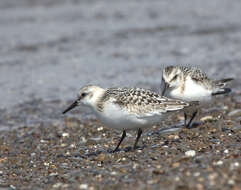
(122, 138)
(193, 116)
(138, 137)
(185, 120)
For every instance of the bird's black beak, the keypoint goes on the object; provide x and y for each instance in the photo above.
(72, 106)
(164, 88)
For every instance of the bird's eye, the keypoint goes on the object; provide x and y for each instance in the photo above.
(175, 77)
(83, 94)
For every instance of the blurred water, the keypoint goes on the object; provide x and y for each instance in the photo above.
(49, 49)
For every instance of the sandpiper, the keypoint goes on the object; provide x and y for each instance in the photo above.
(191, 84)
(126, 108)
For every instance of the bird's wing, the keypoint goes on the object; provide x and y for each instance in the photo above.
(145, 103)
(198, 76)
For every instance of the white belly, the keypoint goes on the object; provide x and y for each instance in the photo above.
(115, 117)
(192, 92)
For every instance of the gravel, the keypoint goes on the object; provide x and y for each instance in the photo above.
(76, 152)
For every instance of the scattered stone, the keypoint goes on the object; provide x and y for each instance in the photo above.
(65, 135)
(72, 146)
(176, 164)
(208, 158)
(231, 182)
(190, 153)
(102, 157)
(43, 141)
(12, 187)
(100, 128)
(53, 174)
(46, 163)
(113, 173)
(83, 186)
(33, 154)
(226, 151)
(234, 165)
(196, 174)
(173, 137)
(63, 145)
(57, 185)
(83, 140)
(219, 163)
(206, 118)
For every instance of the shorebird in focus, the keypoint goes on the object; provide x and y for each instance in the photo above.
(127, 108)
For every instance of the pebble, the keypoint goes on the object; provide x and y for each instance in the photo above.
(135, 165)
(219, 163)
(226, 151)
(123, 170)
(65, 135)
(60, 185)
(231, 182)
(43, 141)
(150, 182)
(33, 154)
(63, 145)
(176, 164)
(100, 128)
(12, 187)
(83, 140)
(234, 165)
(177, 178)
(53, 174)
(173, 137)
(113, 173)
(196, 174)
(72, 146)
(83, 186)
(206, 118)
(190, 153)
(57, 185)
(46, 163)
(102, 157)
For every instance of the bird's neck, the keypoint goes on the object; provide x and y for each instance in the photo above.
(96, 98)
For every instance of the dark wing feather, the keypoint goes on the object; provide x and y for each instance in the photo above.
(198, 75)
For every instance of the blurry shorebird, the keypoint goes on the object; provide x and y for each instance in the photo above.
(191, 84)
